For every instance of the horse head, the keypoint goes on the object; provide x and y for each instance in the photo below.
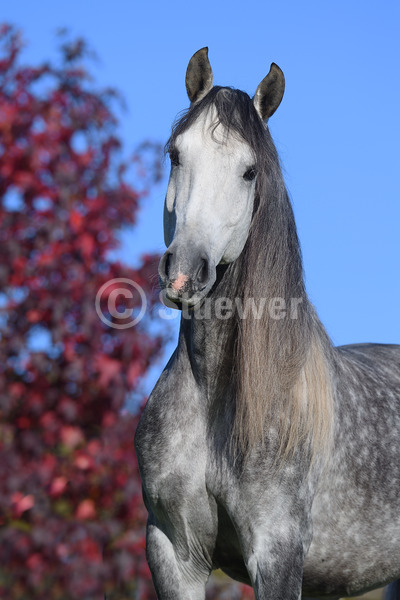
(212, 187)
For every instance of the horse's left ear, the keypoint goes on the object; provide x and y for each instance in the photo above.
(199, 77)
(269, 93)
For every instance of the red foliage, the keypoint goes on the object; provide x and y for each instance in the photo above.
(72, 519)
(71, 514)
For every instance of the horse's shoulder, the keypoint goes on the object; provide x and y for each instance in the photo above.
(173, 413)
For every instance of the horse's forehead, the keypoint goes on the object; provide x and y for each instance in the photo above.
(207, 132)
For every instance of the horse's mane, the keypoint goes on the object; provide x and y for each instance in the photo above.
(280, 367)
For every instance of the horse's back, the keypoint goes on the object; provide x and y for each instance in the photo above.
(368, 389)
(380, 361)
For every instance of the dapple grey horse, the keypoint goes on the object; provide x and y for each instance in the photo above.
(263, 450)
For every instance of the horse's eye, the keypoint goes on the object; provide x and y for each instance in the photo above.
(174, 156)
(250, 174)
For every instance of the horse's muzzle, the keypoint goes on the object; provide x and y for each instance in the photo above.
(186, 276)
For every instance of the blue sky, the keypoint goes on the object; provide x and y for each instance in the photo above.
(337, 130)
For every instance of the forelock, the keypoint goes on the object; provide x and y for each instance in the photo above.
(234, 111)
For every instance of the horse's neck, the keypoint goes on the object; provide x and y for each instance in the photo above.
(208, 342)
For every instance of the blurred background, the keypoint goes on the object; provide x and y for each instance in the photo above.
(88, 94)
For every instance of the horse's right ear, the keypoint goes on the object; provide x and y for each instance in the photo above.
(199, 77)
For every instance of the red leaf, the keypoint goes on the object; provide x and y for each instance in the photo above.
(71, 436)
(86, 510)
(58, 486)
(22, 503)
(108, 368)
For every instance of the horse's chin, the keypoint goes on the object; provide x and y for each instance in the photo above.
(191, 303)
(181, 301)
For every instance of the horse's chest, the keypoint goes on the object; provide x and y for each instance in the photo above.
(171, 448)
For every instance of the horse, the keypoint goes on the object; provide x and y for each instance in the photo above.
(263, 450)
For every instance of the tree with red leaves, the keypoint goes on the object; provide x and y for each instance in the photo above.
(71, 513)
(72, 521)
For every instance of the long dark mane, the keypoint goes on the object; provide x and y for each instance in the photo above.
(280, 366)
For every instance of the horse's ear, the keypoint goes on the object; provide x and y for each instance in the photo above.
(269, 93)
(199, 77)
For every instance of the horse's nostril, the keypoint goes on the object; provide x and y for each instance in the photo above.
(202, 275)
(167, 264)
